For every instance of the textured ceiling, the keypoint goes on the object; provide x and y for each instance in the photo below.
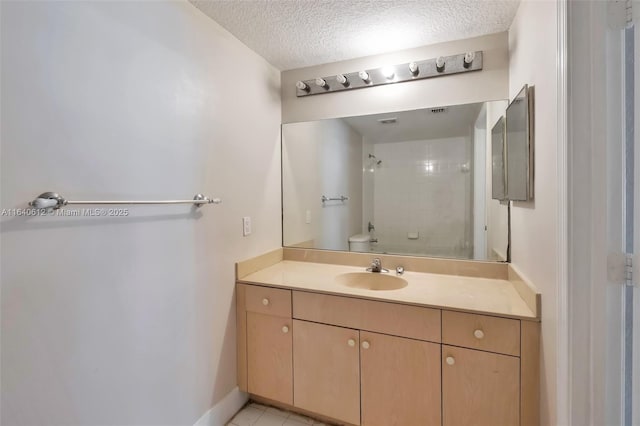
(299, 33)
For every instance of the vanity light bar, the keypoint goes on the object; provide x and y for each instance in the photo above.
(436, 67)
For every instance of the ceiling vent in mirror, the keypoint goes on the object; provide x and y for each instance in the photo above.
(439, 110)
(389, 120)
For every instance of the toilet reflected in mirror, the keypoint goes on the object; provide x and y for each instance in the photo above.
(360, 243)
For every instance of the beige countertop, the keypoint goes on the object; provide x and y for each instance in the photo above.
(460, 293)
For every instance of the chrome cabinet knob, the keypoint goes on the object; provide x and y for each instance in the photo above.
(265, 301)
(450, 360)
(285, 329)
(479, 334)
(351, 342)
(365, 345)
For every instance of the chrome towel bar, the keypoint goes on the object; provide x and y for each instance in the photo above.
(52, 200)
(342, 198)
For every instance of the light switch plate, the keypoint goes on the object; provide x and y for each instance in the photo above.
(246, 226)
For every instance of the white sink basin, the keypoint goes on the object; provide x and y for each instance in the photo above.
(371, 281)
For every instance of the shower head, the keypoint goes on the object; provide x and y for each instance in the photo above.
(372, 163)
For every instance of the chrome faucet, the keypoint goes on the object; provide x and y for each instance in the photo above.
(376, 266)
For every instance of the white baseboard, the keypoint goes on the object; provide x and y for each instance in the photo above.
(221, 413)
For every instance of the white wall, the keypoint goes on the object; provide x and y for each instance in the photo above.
(321, 158)
(128, 321)
(489, 84)
(534, 228)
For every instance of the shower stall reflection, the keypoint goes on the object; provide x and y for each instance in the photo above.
(421, 200)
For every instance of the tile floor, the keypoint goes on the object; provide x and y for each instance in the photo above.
(260, 415)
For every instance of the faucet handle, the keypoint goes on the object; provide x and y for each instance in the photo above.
(399, 270)
(376, 265)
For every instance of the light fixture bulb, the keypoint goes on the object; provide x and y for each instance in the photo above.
(364, 75)
(468, 58)
(302, 85)
(413, 67)
(440, 64)
(342, 79)
(388, 72)
(321, 82)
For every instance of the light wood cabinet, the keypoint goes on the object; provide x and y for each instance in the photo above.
(264, 342)
(395, 319)
(270, 357)
(270, 301)
(400, 381)
(491, 334)
(326, 365)
(362, 362)
(479, 388)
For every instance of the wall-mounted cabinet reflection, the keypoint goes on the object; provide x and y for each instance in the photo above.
(519, 146)
(407, 182)
(498, 168)
(512, 150)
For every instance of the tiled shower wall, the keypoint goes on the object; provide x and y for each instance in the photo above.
(422, 196)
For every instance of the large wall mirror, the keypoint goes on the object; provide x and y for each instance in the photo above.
(409, 182)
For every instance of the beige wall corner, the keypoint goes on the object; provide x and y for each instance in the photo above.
(526, 290)
(249, 266)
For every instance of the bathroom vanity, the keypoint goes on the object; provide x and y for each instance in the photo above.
(448, 342)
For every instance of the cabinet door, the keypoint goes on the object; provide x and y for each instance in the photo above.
(326, 366)
(479, 388)
(400, 381)
(270, 357)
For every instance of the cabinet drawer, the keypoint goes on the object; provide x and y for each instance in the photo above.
(389, 318)
(482, 332)
(266, 300)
